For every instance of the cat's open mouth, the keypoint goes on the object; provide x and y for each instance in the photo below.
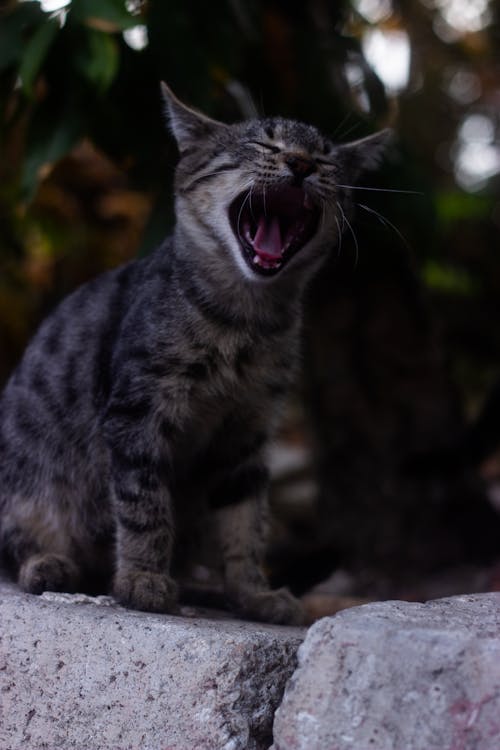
(271, 225)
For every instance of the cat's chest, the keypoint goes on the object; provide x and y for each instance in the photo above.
(234, 391)
(226, 374)
(234, 370)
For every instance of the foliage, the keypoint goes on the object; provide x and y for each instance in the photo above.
(85, 161)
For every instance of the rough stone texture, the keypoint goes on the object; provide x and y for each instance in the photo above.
(77, 674)
(398, 676)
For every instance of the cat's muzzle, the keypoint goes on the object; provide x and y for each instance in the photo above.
(272, 224)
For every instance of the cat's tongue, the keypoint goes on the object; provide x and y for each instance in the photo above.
(267, 242)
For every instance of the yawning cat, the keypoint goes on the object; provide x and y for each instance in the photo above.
(150, 393)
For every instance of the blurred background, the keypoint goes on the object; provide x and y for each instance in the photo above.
(386, 472)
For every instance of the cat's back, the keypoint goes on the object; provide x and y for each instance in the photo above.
(55, 393)
(80, 333)
(63, 345)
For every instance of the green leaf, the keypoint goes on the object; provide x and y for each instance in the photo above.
(13, 30)
(103, 15)
(54, 130)
(455, 205)
(34, 53)
(444, 277)
(98, 59)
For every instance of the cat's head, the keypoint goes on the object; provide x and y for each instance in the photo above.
(263, 195)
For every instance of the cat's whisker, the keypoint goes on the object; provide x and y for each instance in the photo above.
(343, 217)
(380, 190)
(386, 222)
(323, 215)
(339, 242)
(324, 196)
(247, 197)
(353, 233)
(250, 202)
(339, 127)
(339, 134)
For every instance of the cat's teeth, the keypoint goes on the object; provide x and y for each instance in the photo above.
(294, 236)
(247, 232)
(266, 263)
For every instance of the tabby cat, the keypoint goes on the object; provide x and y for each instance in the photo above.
(148, 396)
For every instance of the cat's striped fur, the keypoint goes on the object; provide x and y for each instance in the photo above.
(154, 388)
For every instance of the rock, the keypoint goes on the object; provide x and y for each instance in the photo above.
(78, 673)
(397, 676)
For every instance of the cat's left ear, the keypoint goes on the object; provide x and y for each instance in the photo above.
(188, 126)
(365, 154)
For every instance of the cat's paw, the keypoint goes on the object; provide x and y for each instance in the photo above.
(48, 572)
(279, 607)
(147, 591)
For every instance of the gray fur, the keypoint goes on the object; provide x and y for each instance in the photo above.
(151, 392)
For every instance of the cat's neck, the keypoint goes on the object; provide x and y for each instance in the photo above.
(272, 303)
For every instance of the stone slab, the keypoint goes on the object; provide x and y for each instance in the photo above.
(397, 676)
(78, 673)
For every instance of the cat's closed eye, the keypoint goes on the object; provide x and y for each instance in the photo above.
(325, 162)
(269, 146)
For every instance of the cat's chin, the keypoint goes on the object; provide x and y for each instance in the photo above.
(272, 225)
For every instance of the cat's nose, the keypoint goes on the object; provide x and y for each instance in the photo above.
(300, 166)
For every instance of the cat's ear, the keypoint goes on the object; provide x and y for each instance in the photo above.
(365, 154)
(188, 126)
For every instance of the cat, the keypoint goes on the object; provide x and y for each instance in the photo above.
(147, 398)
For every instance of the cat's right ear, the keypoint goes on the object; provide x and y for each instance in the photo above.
(188, 126)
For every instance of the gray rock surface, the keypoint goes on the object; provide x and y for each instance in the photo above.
(398, 676)
(78, 673)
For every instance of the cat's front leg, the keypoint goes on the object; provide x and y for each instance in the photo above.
(143, 520)
(240, 523)
(143, 553)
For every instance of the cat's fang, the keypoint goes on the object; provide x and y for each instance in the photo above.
(247, 234)
(265, 263)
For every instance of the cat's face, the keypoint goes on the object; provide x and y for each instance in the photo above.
(262, 195)
(283, 205)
